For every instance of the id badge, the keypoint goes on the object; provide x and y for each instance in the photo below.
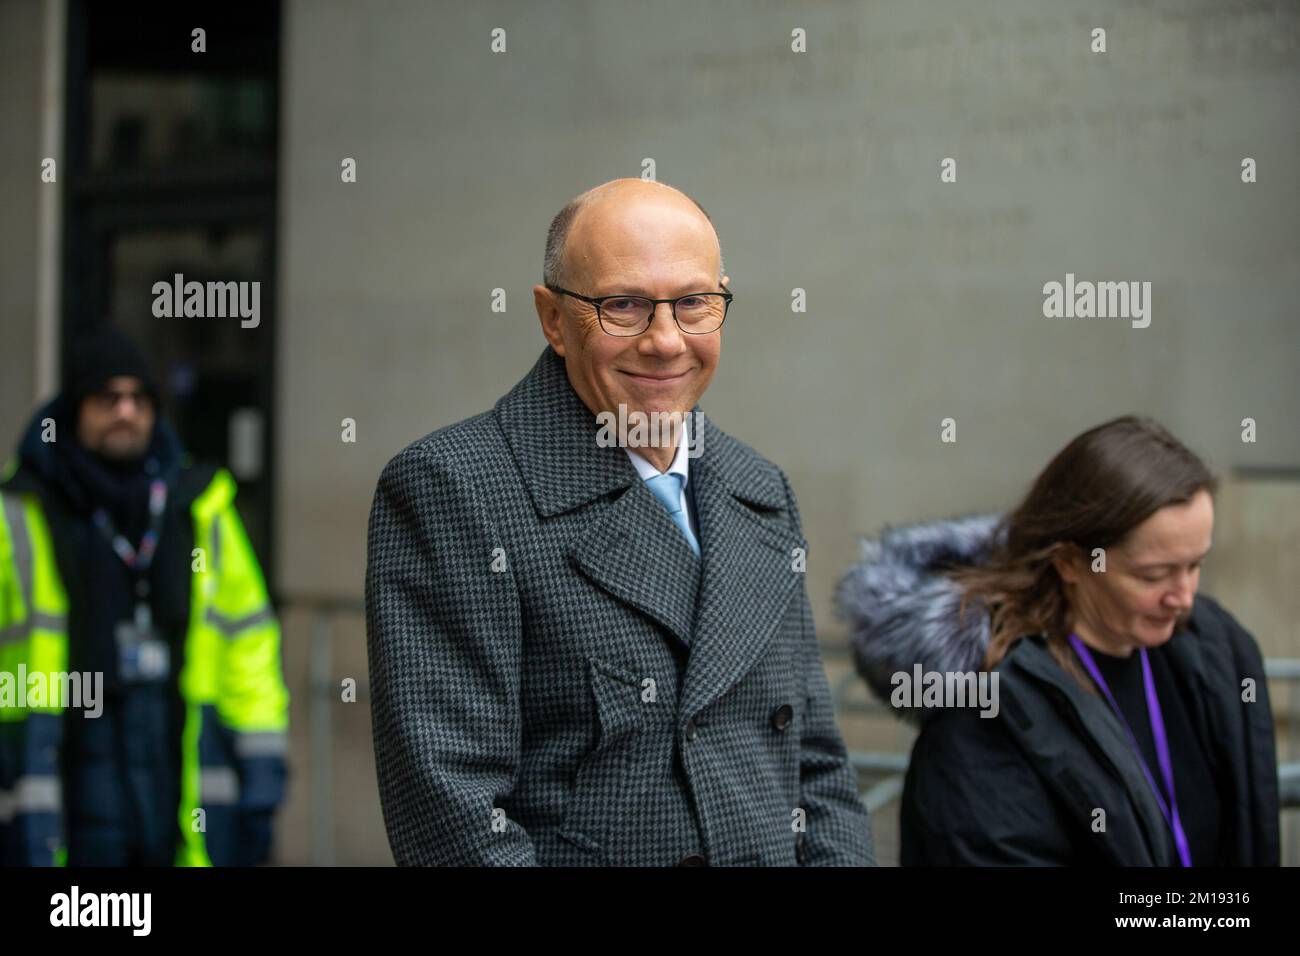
(142, 656)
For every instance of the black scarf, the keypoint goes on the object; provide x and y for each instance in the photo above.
(122, 490)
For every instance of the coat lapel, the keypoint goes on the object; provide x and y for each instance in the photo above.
(631, 549)
(1109, 736)
(725, 605)
(636, 553)
(748, 574)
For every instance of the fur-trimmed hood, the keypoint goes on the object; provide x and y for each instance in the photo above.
(904, 612)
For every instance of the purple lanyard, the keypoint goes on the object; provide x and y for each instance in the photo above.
(1170, 809)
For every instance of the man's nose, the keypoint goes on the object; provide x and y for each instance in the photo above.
(663, 331)
(128, 408)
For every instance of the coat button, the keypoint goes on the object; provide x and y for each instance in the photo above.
(692, 731)
(693, 859)
(782, 716)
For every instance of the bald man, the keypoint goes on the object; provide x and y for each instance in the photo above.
(589, 637)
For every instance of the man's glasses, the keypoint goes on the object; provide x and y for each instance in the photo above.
(696, 314)
(106, 399)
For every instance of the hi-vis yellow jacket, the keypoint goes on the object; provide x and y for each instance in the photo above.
(229, 680)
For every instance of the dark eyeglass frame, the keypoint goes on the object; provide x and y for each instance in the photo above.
(108, 398)
(654, 305)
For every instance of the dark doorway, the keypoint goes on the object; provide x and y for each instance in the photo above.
(170, 168)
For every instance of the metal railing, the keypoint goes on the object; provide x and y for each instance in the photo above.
(322, 693)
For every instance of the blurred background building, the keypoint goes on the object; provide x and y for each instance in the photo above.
(821, 170)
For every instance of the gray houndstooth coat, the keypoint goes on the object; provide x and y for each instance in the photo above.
(557, 679)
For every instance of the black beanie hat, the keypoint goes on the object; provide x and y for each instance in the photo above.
(92, 360)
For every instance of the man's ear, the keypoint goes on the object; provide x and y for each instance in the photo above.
(550, 315)
(723, 282)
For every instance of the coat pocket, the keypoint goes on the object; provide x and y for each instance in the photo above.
(608, 782)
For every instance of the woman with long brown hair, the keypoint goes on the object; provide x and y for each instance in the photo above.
(1129, 722)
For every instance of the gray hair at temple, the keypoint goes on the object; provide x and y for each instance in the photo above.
(553, 264)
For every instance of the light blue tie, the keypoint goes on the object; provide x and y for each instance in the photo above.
(668, 489)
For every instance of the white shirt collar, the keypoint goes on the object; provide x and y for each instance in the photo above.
(679, 466)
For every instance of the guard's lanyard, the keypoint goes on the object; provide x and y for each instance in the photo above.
(139, 558)
(1169, 809)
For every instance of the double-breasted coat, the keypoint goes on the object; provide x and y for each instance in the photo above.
(558, 679)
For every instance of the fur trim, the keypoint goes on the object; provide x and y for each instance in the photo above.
(903, 611)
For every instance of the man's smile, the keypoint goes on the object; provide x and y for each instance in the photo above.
(656, 378)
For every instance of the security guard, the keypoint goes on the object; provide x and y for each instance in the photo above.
(121, 559)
